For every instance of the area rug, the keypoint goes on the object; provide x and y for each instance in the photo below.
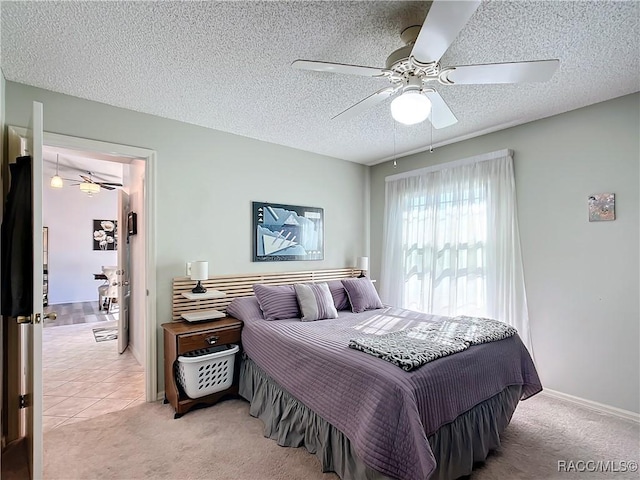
(104, 334)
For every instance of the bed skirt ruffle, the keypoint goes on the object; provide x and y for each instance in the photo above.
(456, 446)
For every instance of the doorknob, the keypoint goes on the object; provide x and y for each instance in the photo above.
(23, 319)
(51, 315)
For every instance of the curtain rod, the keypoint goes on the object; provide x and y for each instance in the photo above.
(456, 163)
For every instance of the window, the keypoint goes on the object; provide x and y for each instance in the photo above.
(451, 241)
(443, 243)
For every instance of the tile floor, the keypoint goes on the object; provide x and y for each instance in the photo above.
(83, 378)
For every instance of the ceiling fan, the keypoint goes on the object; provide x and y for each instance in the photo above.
(412, 69)
(89, 185)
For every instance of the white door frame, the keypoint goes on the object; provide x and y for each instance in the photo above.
(150, 158)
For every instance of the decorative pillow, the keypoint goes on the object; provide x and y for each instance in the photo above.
(245, 308)
(362, 294)
(315, 301)
(277, 301)
(339, 294)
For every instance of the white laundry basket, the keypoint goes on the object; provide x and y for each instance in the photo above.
(207, 370)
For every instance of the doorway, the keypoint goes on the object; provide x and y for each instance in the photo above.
(87, 245)
(146, 228)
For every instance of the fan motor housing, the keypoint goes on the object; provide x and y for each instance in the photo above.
(398, 58)
(398, 61)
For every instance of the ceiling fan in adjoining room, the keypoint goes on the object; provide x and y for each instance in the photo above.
(90, 186)
(412, 69)
(88, 181)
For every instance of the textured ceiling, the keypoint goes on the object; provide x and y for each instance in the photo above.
(226, 65)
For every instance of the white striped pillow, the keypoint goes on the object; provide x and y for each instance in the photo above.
(316, 302)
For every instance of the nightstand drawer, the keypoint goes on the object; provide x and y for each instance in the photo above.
(194, 341)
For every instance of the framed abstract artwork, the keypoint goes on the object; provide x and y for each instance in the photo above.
(287, 232)
(105, 235)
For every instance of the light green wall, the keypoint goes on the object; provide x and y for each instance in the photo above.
(206, 180)
(581, 277)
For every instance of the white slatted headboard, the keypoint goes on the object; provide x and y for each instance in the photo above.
(241, 286)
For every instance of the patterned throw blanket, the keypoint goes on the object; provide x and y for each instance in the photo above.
(412, 348)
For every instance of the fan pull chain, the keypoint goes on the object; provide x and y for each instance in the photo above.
(431, 134)
(395, 164)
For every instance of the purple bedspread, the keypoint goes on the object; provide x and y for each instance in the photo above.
(385, 412)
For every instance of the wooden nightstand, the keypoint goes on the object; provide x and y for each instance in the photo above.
(183, 337)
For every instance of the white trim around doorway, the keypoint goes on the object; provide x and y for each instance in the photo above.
(150, 158)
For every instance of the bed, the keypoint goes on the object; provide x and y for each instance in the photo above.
(366, 418)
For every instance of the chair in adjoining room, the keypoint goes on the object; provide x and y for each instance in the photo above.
(108, 291)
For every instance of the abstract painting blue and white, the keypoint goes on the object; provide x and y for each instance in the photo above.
(287, 232)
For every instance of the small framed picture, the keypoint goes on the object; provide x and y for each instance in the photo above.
(105, 235)
(602, 207)
(132, 223)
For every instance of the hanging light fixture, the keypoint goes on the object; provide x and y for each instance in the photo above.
(89, 188)
(56, 180)
(412, 106)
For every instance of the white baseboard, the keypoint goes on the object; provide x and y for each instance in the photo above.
(599, 407)
(160, 395)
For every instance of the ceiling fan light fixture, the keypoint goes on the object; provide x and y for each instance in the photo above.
(410, 108)
(56, 182)
(89, 188)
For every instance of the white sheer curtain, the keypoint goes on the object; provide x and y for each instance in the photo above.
(451, 241)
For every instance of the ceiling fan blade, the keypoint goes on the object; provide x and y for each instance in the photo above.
(340, 68)
(114, 184)
(444, 21)
(441, 115)
(106, 187)
(87, 179)
(514, 72)
(368, 102)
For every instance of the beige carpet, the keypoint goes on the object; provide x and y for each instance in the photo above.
(224, 442)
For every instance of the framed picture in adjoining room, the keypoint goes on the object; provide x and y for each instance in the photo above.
(287, 232)
(105, 235)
